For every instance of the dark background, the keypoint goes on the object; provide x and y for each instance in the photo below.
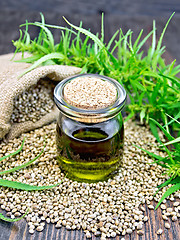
(127, 14)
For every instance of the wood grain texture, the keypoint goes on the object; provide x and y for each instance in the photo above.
(19, 230)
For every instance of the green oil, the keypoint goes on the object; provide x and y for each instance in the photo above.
(90, 152)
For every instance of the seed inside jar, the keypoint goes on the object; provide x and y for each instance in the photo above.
(90, 93)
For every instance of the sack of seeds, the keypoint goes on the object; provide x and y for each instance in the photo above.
(26, 102)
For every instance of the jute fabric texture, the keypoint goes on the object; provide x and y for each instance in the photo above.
(11, 85)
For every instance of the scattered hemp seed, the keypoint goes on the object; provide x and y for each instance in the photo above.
(145, 219)
(163, 206)
(159, 231)
(167, 225)
(169, 210)
(174, 218)
(109, 208)
(140, 232)
(176, 204)
(139, 226)
(33, 103)
(151, 207)
(164, 217)
(88, 235)
(128, 231)
(31, 231)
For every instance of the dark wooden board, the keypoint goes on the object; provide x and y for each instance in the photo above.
(19, 230)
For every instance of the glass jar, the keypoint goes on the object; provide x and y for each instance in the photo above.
(89, 142)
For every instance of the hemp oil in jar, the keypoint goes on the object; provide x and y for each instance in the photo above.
(90, 130)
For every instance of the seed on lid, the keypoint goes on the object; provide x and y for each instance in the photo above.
(90, 93)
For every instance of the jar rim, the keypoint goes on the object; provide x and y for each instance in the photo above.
(78, 113)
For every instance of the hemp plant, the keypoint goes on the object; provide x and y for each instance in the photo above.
(152, 85)
(171, 162)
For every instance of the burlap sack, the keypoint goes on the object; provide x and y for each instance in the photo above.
(11, 86)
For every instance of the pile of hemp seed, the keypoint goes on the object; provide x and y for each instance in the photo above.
(35, 102)
(105, 209)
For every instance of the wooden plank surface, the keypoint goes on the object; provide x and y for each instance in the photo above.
(19, 230)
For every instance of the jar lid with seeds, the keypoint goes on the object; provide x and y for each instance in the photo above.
(90, 97)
